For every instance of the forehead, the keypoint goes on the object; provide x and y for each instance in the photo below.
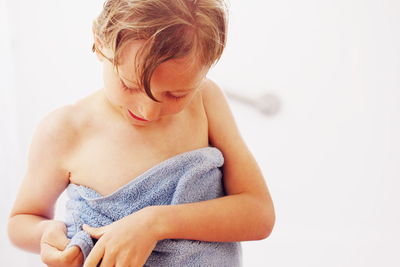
(183, 73)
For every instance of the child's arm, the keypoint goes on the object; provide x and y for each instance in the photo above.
(44, 181)
(247, 212)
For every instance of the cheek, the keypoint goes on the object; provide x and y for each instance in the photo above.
(113, 90)
(116, 94)
(107, 75)
(110, 77)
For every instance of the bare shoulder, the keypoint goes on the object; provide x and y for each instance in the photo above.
(46, 177)
(58, 128)
(241, 171)
(222, 125)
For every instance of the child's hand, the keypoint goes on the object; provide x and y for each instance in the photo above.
(127, 242)
(52, 245)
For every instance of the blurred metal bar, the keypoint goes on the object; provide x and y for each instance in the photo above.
(268, 104)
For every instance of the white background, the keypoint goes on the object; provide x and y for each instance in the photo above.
(330, 157)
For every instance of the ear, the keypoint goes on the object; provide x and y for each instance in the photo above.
(98, 47)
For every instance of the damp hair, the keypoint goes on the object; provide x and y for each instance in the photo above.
(170, 29)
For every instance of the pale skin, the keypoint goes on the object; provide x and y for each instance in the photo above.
(99, 131)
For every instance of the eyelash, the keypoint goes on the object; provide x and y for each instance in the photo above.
(136, 90)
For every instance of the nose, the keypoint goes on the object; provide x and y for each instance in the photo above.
(150, 110)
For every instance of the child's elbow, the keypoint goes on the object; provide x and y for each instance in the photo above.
(267, 230)
(267, 225)
(11, 231)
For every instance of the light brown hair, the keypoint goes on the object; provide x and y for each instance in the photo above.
(171, 29)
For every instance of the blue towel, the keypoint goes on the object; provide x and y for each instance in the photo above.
(188, 177)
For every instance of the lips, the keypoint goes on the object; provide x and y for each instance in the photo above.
(136, 117)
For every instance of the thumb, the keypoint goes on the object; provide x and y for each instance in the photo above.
(93, 231)
(56, 239)
(49, 254)
(72, 251)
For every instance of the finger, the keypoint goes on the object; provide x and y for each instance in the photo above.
(108, 260)
(95, 256)
(72, 252)
(93, 231)
(49, 254)
(57, 239)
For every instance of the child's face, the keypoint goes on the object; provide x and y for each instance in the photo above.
(174, 83)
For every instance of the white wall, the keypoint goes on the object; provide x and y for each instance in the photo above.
(330, 157)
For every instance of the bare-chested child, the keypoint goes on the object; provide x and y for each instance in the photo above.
(157, 102)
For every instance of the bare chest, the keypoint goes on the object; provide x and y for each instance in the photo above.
(109, 159)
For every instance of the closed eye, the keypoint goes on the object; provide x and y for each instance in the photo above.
(138, 90)
(126, 88)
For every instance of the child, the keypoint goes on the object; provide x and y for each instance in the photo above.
(156, 103)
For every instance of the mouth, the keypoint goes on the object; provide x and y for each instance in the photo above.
(135, 117)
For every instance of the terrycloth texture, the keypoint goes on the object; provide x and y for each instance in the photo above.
(188, 177)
